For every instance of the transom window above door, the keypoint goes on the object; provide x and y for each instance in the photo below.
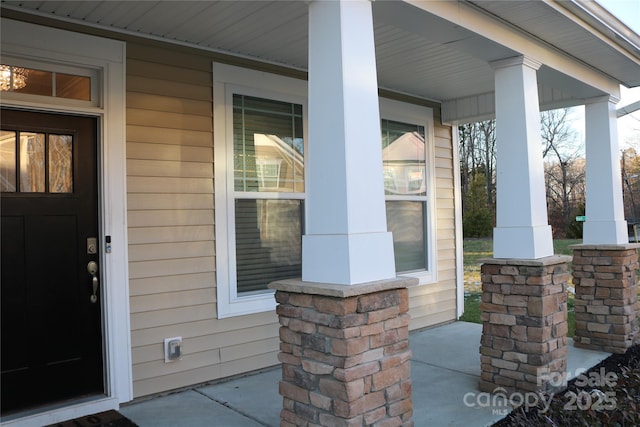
(48, 83)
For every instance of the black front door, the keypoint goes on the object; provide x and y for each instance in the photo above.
(51, 324)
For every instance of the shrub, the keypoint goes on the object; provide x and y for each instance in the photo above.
(617, 402)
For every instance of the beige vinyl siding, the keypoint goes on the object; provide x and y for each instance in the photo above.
(170, 199)
(435, 303)
(171, 230)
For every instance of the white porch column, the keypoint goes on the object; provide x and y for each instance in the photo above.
(347, 240)
(605, 223)
(522, 229)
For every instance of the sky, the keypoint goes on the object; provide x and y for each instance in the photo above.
(628, 11)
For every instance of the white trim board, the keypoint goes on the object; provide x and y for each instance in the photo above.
(51, 46)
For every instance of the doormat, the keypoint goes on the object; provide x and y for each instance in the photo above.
(102, 419)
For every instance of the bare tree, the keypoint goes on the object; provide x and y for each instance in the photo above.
(477, 155)
(477, 167)
(467, 147)
(630, 165)
(564, 168)
(488, 129)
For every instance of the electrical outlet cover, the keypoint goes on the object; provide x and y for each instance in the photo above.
(172, 349)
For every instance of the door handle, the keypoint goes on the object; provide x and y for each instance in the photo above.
(92, 268)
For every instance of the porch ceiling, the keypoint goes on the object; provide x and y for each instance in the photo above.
(417, 52)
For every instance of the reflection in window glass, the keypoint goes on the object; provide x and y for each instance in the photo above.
(404, 169)
(7, 161)
(268, 145)
(38, 83)
(403, 156)
(60, 164)
(44, 83)
(73, 87)
(406, 220)
(12, 78)
(268, 242)
(32, 166)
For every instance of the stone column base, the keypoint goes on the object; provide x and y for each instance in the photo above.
(524, 323)
(345, 353)
(606, 301)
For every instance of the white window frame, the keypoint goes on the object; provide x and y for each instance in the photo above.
(422, 116)
(229, 80)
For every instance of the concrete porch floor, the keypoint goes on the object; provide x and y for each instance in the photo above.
(445, 370)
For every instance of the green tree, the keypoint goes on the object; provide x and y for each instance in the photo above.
(477, 217)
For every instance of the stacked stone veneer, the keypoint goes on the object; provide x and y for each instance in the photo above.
(606, 299)
(345, 354)
(524, 323)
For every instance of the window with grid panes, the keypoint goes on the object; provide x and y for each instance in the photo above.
(404, 167)
(268, 153)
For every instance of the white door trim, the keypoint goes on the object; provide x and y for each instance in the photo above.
(38, 43)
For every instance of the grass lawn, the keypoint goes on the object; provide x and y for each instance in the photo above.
(475, 249)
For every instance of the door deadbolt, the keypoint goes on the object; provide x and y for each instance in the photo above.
(92, 245)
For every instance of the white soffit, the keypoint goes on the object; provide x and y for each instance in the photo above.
(417, 52)
(570, 26)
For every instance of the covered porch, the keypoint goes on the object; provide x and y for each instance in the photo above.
(445, 373)
(463, 60)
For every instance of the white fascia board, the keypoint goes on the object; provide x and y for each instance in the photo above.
(628, 109)
(483, 24)
(602, 23)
